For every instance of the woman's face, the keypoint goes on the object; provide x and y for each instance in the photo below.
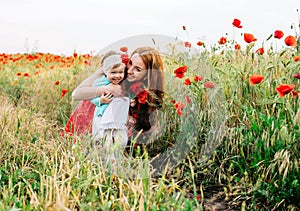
(136, 69)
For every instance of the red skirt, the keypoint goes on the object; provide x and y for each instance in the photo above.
(80, 122)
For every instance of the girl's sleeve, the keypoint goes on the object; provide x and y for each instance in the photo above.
(96, 101)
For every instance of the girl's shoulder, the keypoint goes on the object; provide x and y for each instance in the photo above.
(102, 80)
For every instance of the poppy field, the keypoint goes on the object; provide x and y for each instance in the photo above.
(235, 102)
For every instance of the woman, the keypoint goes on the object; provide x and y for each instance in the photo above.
(145, 82)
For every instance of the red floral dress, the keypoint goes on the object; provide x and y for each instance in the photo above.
(80, 122)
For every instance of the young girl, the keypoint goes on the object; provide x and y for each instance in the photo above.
(109, 129)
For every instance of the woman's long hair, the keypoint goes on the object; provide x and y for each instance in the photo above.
(155, 85)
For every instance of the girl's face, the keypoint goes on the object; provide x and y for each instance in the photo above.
(136, 69)
(116, 75)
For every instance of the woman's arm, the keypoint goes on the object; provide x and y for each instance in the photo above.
(85, 90)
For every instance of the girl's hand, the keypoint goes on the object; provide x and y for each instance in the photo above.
(106, 97)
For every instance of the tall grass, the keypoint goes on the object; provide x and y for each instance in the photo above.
(236, 143)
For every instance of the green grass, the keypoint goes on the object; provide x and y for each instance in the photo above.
(241, 141)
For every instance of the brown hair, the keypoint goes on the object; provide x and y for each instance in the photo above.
(155, 79)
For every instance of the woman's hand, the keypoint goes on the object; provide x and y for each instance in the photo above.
(115, 90)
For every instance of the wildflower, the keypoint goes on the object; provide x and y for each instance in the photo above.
(198, 197)
(187, 44)
(187, 82)
(180, 71)
(199, 43)
(178, 107)
(26, 75)
(278, 34)
(136, 144)
(237, 46)
(124, 49)
(294, 94)
(64, 92)
(290, 41)
(75, 55)
(137, 87)
(19, 74)
(222, 40)
(255, 79)
(143, 96)
(125, 58)
(188, 99)
(236, 23)
(249, 38)
(183, 27)
(56, 83)
(260, 51)
(37, 72)
(284, 89)
(198, 78)
(209, 85)
(297, 76)
(296, 58)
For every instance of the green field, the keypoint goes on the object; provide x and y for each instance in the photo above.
(238, 119)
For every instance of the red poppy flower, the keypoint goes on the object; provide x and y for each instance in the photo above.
(284, 89)
(294, 94)
(290, 41)
(173, 101)
(179, 106)
(249, 38)
(237, 46)
(125, 58)
(278, 34)
(179, 72)
(297, 76)
(56, 82)
(143, 97)
(199, 43)
(222, 40)
(260, 51)
(187, 82)
(296, 58)
(124, 49)
(26, 75)
(179, 112)
(236, 23)
(75, 54)
(187, 44)
(19, 74)
(255, 79)
(137, 87)
(188, 99)
(183, 27)
(209, 85)
(198, 78)
(64, 92)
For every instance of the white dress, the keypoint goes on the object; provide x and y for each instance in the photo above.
(109, 130)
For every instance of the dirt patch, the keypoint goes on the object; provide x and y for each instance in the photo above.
(215, 200)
